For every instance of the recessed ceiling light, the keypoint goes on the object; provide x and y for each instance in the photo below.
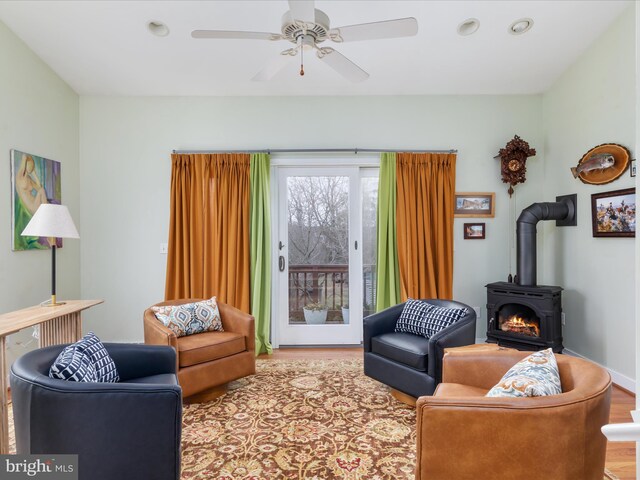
(469, 26)
(159, 29)
(520, 26)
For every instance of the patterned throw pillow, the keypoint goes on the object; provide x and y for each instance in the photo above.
(85, 361)
(423, 318)
(411, 319)
(533, 376)
(191, 318)
(74, 365)
(102, 361)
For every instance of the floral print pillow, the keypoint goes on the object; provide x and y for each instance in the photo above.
(534, 376)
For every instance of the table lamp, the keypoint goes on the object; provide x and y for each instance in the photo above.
(52, 221)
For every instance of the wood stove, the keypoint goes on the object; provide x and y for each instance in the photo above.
(524, 317)
(522, 314)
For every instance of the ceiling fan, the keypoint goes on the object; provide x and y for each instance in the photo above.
(307, 27)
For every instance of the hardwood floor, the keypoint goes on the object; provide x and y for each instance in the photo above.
(621, 456)
(329, 353)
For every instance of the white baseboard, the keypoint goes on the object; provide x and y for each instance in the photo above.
(616, 377)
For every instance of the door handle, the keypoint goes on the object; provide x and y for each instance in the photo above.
(281, 263)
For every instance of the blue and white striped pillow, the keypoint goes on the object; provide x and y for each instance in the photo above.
(420, 317)
(87, 360)
(74, 365)
(102, 361)
(411, 319)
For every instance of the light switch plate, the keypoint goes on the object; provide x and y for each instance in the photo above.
(164, 248)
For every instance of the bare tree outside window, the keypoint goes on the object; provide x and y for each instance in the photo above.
(318, 221)
(318, 217)
(318, 248)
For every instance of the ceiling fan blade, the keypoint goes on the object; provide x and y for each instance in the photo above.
(235, 34)
(303, 10)
(401, 27)
(273, 67)
(342, 64)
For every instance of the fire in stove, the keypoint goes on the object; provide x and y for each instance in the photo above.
(517, 324)
(524, 317)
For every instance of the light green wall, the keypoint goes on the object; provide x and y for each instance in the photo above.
(123, 181)
(125, 178)
(129, 141)
(593, 103)
(38, 114)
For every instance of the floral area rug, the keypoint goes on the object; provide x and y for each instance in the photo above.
(300, 419)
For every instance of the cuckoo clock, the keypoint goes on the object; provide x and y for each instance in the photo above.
(513, 158)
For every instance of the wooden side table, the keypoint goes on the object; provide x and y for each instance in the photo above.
(58, 324)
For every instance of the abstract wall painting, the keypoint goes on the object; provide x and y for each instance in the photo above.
(34, 180)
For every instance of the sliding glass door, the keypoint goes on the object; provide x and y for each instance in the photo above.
(326, 271)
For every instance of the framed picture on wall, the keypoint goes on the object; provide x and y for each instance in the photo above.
(34, 180)
(469, 204)
(474, 231)
(613, 214)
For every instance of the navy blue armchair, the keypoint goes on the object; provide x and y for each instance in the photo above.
(120, 431)
(410, 363)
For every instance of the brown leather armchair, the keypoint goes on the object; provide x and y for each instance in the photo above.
(464, 435)
(207, 361)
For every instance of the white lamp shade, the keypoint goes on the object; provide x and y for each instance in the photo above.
(51, 220)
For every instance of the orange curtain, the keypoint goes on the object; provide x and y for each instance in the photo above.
(424, 219)
(209, 228)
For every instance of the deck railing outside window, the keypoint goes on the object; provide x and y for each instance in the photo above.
(328, 285)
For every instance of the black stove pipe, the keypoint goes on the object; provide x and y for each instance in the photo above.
(526, 234)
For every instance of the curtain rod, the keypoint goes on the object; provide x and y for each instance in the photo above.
(317, 150)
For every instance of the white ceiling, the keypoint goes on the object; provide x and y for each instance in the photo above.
(104, 47)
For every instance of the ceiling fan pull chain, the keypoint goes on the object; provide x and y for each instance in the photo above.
(301, 58)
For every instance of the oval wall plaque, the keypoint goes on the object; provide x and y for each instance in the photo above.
(599, 175)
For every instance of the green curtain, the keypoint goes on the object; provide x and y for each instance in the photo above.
(260, 252)
(388, 290)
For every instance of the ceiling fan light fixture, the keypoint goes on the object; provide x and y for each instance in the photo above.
(520, 26)
(468, 27)
(157, 28)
